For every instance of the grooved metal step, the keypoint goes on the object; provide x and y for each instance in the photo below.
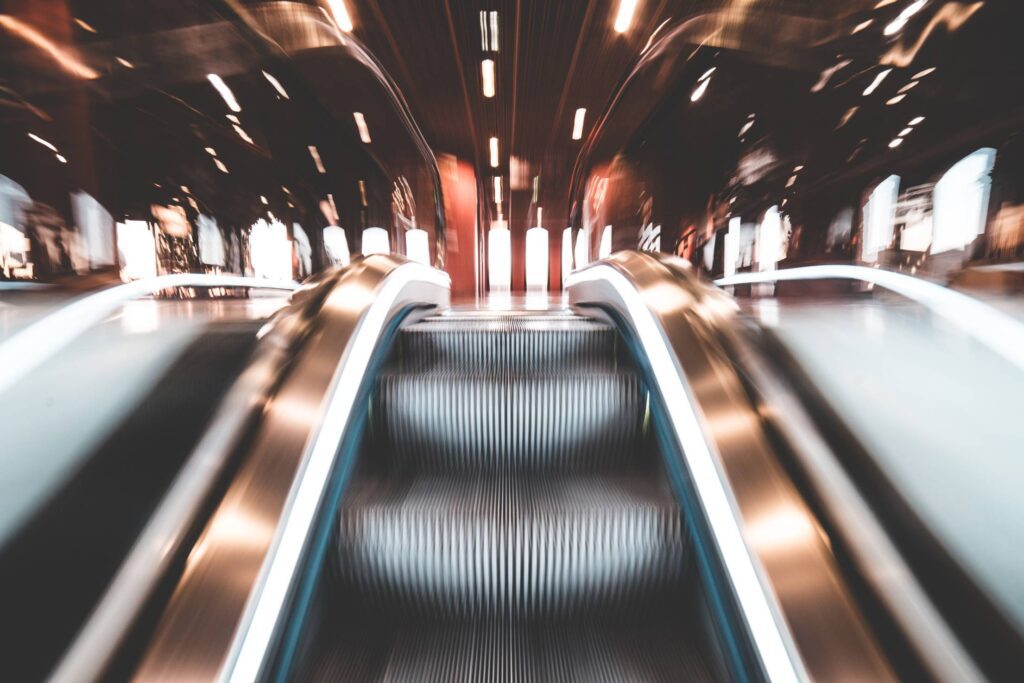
(514, 653)
(442, 421)
(511, 546)
(510, 344)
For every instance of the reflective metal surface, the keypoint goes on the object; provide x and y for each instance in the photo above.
(224, 611)
(795, 603)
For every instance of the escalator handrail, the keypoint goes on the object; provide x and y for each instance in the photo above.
(995, 329)
(35, 344)
(226, 608)
(721, 444)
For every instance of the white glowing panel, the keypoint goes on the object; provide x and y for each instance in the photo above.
(566, 254)
(880, 218)
(582, 250)
(270, 250)
(731, 256)
(769, 239)
(605, 250)
(336, 245)
(961, 201)
(417, 246)
(537, 260)
(499, 257)
(375, 241)
(137, 249)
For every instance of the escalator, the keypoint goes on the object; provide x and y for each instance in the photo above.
(509, 518)
(438, 493)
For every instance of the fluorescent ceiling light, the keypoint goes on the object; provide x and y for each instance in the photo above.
(364, 132)
(315, 153)
(577, 123)
(341, 16)
(497, 190)
(45, 143)
(494, 152)
(625, 15)
(879, 77)
(487, 71)
(277, 85)
(700, 90)
(225, 92)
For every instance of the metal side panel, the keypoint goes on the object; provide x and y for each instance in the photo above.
(800, 615)
(223, 615)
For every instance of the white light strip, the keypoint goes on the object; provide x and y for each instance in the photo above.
(364, 131)
(494, 31)
(45, 143)
(625, 15)
(341, 16)
(577, 123)
(277, 85)
(225, 92)
(297, 518)
(707, 477)
(494, 152)
(879, 77)
(991, 327)
(497, 190)
(38, 342)
(487, 73)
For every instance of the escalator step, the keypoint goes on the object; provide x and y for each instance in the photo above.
(442, 422)
(510, 344)
(514, 653)
(495, 546)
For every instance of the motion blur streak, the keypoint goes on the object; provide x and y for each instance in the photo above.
(952, 15)
(991, 327)
(61, 55)
(38, 342)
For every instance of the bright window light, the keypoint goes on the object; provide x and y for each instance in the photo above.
(566, 254)
(417, 246)
(376, 241)
(341, 16)
(336, 245)
(487, 72)
(624, 17)
(582, 249)
(605, 250)
(137, 247)
(769, 240)
(879, 218)
(537, 260)
(270, 250)
(494, 152)
(225, 92)
(731, 256)
(577, 123)
(961, 201)
(364, 131)
(499, 257)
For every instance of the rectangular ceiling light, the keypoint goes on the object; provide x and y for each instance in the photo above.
(494, 152)
(341, 16)
(487, 71)
(497, 190)
(625, 16)
(225, 92)
(577, 123)
(364, 132)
